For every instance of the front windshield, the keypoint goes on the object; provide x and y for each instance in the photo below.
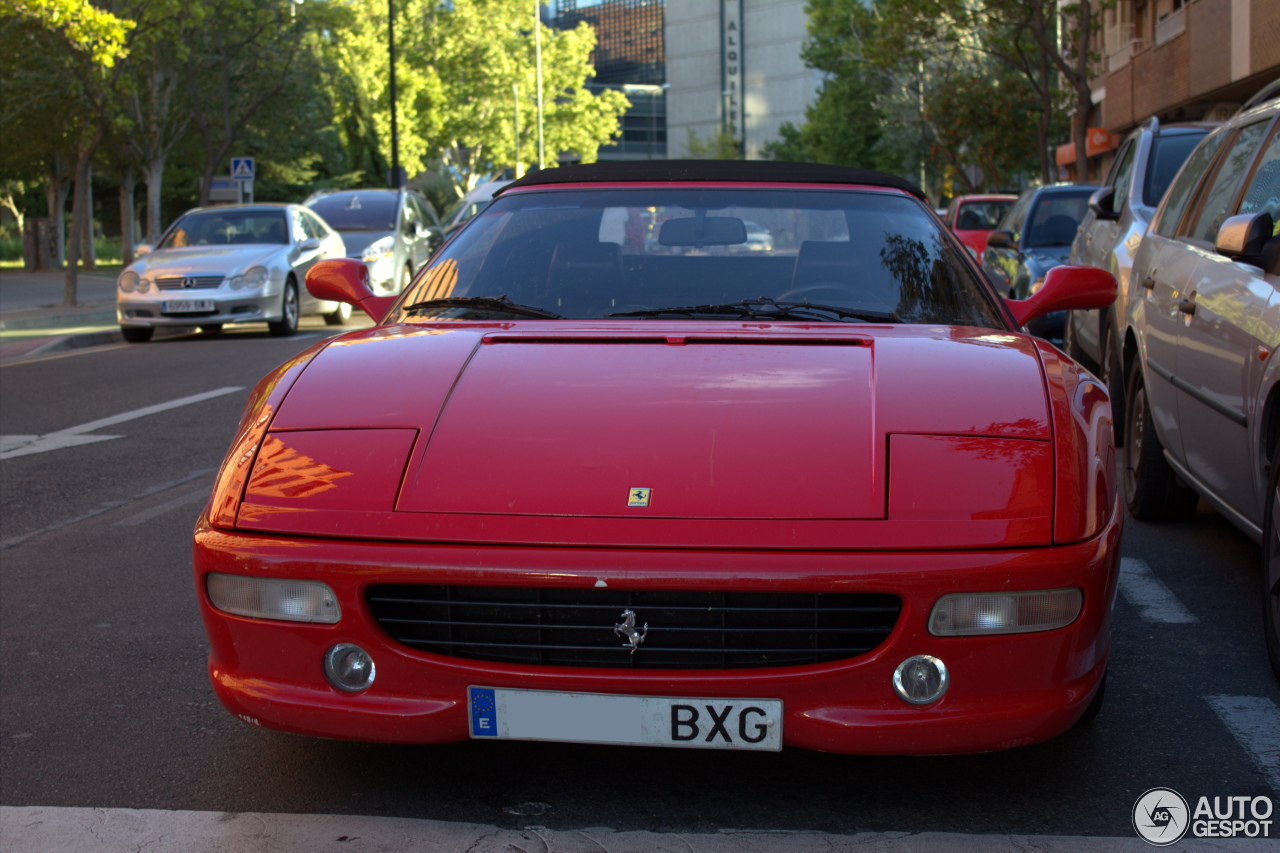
(608, 253)
(1056, 218)
(219, 228)
(372, 210)
(981, 215)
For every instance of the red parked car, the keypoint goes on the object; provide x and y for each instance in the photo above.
(974, 217)
(601, 476)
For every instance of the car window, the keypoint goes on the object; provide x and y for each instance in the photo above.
(1056, 218)
(1014, 218)
(1122, 177)
(1263, 194)
(358, 210)
(218, 228)
(1215, 201)
(426, 212)
(314, 225)
(298, 226)
(1180, 192)
(591, 254)
(981, 215)
(1168, 153)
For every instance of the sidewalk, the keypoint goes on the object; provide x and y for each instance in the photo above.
(33, 320)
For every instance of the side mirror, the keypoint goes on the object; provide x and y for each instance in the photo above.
(143, 249)
(310, 244)
(347, 280)
(1102, 203)
(1066, 288)
(1001, 240)
(1243, 236)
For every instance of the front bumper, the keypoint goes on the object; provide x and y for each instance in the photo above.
(228, 307)
(1006, 691)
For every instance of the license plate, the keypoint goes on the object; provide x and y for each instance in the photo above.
(635, 720)
(186, 306)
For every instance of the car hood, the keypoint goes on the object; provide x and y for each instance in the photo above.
(357, 241)
(206, 260)
(718, 421)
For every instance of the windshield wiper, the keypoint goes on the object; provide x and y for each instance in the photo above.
(767, 309)
(499, 304)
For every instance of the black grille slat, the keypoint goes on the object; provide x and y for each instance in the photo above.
(687, 630)
(197, 281)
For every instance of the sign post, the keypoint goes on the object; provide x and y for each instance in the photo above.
(242, 173)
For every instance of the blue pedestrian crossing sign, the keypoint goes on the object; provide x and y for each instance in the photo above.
(242, 168)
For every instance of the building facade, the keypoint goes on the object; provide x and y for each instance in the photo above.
(1176, 60)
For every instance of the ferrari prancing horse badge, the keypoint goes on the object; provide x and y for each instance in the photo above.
(638, 497)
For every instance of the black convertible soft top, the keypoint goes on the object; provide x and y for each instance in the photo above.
(773, 171)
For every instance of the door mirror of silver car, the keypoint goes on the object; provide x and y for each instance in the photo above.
(1066, 288)
(1103, 202)
(142, 249)
(1001, 240)
(310, 244)
(347, 280)
(1243, 237)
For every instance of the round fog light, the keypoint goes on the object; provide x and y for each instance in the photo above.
(348, 667)
(921, 679)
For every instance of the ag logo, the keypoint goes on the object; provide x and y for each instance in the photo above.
(1160, 816)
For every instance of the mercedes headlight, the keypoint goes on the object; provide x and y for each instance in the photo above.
(251, 280)
(128, 282)
(378, 250)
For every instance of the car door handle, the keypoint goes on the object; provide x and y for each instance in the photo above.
(1149, 283)
(1187, 307)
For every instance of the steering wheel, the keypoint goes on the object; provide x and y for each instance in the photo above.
(822, 292)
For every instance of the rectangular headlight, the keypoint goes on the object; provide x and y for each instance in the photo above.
(975, 613)
(270, 598)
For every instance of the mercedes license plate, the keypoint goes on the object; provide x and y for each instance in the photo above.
(638, 720)
(186, 306)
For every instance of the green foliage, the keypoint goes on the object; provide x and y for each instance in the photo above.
(981, 120)
(720, 145)
(88, 28)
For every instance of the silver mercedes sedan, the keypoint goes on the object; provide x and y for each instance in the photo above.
(234, 264)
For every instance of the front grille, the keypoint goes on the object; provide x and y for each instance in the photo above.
(176, 282)
(687, 630)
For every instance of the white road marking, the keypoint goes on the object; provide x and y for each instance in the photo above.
(73, 436)
(1154, 600)
(37, 829)
(146, 515)
(1255, 722)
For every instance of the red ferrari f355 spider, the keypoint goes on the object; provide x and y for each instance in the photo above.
(604, 473)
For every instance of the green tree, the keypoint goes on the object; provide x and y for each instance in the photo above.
(721, 145)
(88, 28)
(846, 123)
(977, 118)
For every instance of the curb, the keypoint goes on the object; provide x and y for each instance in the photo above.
(101, 317)
(61, 343)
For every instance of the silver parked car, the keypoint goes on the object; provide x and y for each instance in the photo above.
(234, 264)
(392, 231)
(1202, 414)
(461, 211)
(1111, 233)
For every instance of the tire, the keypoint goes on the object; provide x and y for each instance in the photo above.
(1095, 704)
(211, 328)
(137, 334)
(339, 316)
(1070, 345)
(1152, 492)
(1271, 567)
(1112, 376)
(287, 325)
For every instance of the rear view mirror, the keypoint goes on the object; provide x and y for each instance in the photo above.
(1102, 203)
(1001, 240)
(309, 245)
(347, 280)
(1243, 236)
(703, 231)
(1066, 288)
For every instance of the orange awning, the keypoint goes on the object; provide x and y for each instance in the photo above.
(1096, 142)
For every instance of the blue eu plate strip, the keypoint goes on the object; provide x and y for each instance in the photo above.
(484, 712)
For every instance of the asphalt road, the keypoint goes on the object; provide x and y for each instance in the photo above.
(104, 700)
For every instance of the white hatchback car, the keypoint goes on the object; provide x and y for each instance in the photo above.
(235, 264)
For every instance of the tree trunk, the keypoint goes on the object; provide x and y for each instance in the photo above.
(79, 214)
(127, 184)
(154, 176)
(88, 254)
(57, 195)
(1084, 110)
